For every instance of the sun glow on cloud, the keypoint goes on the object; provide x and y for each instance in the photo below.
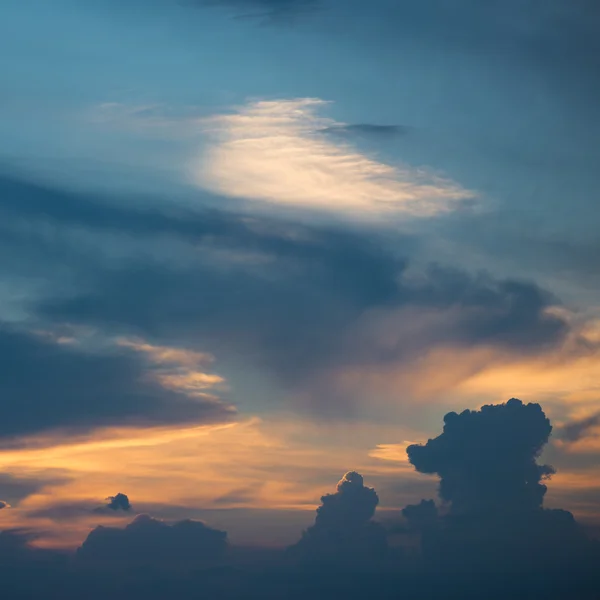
(177, 369)
(276, 152)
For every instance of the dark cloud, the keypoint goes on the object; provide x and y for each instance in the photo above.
(576, 430)
(297, 315)
(489, 476)
(486, 459)
(147, 540)
(343, 528)
(14, 489)
(64, 511)
(295, 299)
(271, 9)
(49, 386)
(367, 130)
(422, 515)
(118, 502)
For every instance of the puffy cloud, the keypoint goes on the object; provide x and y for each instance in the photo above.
(272, 9)
(148, 540)
(422, 515)
(489, 475)
(486, 459)
(118, 502)
(343, 529)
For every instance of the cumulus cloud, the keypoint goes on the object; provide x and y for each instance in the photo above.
(271, 9)
(46, 382)
(486, 459)
(118, 502)
(422, 515)
(343, 528)
(148, 540)
(271, 151)
(489, 476)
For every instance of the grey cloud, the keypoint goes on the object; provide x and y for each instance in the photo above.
(49, 386)
(343, 528)
(118, 502)
(150, 541)
(13, 488)
(576, 430)
(63, 512)
(303, 308)
(265, 11)
(367, 130)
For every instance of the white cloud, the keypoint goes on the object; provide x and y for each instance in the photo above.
(273, 151)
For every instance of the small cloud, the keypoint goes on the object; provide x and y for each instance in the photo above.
(344, 529)
(118, 502)
(577, 430)
(4, 504)
(393, 452)
(366, 130)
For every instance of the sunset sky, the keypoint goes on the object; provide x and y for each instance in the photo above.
(249, 245)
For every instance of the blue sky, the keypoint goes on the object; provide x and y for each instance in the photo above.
(316, 226)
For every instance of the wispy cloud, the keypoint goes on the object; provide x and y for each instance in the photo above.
(273, 151)
(177, 369)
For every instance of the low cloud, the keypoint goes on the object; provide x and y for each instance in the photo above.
(148, 540)
(486, 459)
(46, 383)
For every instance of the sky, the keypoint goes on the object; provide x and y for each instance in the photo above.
(247, 246)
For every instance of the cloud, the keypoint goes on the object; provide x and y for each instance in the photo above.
(422, 515)
(486, 459)
(273, 10)
(148, 540)
(310, 303)
(576, 430)
(343, 528)
(50, 386)
(118, 502)
(366, 130)
(271, 151)
(490, 479)
(4, 504)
